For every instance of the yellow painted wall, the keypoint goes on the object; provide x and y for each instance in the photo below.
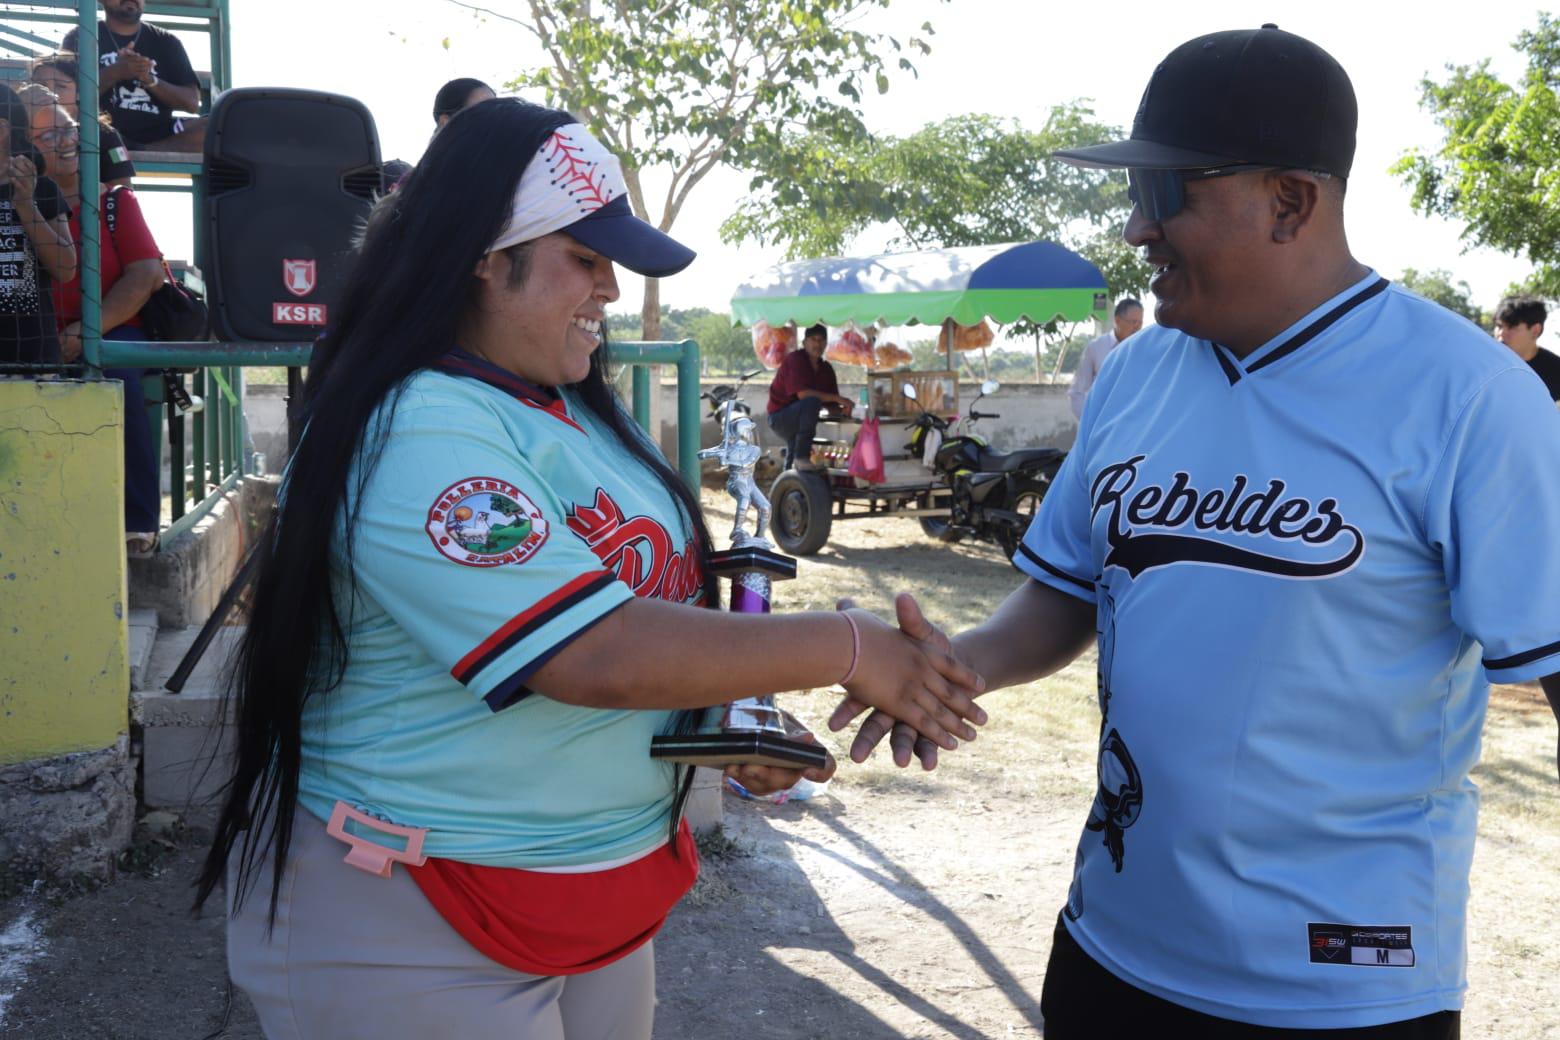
(64, 671)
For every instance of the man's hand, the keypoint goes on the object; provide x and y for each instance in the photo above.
(136, 66)
(903, 741)
(844, 404)
(23, 177)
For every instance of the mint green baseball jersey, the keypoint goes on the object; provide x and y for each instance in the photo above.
(499, 522)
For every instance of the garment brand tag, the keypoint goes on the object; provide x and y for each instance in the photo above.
(1365, 946)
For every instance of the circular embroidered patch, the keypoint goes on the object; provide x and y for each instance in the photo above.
(485, 522)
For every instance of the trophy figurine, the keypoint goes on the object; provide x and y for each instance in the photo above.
(750, 731)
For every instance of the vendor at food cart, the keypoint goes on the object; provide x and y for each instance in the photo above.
(803, 386)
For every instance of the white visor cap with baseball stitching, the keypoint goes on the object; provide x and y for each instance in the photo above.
(576, 186)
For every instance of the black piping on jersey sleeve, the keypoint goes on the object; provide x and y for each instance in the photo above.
(1518, 660)
(1034, 558)
(491, 649)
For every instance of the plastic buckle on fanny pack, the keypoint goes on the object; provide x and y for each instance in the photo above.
(371, 856)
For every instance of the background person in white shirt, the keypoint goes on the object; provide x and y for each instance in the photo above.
(1128, 319)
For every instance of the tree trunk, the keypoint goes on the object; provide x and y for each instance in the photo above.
(985, 362)
(1039, 368)
(650, 311)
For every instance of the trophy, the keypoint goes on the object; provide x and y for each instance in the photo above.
(750, 731)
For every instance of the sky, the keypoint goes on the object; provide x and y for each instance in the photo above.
(1011, 58)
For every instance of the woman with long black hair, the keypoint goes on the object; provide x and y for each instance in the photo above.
(482, 596)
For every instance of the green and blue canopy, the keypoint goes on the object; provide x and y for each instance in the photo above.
(1035, 280)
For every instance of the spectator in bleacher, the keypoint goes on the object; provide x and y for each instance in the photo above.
(146, 77)
(458, 94)
(131, 267)
(35, 243)
(57, 73)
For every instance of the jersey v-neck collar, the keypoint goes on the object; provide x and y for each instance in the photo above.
(1301, 332)
(544, 398)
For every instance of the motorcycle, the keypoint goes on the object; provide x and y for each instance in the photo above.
(992, 495)
(725, 404)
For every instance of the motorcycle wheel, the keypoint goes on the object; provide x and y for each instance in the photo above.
(1026, 503)
(802, 513)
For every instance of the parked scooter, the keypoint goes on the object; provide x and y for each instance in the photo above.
(725, 400)
(992, 495)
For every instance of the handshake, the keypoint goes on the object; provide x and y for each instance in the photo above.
(915, 689)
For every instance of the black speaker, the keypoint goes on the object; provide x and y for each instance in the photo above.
(290, 177)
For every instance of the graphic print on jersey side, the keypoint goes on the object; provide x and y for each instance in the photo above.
(638, 550)
(1267, 514)
(1118, 797)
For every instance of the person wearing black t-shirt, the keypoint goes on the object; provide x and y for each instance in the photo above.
(1519, 321)
(35, 244)
(146, 78)
(57, 74)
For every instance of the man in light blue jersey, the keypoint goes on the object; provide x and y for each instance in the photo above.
(1291, 523)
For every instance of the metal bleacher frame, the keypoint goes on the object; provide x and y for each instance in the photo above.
(205, 465)
(209, 462)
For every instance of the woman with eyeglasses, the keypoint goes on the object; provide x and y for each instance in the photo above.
(131, 269)
(34, 240)
(57, 72)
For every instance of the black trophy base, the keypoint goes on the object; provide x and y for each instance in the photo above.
(739, 747)
(730, 562)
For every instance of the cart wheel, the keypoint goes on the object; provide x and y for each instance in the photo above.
(940, 528)
(801, 517)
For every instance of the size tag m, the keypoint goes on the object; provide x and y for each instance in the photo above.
(1362, 946)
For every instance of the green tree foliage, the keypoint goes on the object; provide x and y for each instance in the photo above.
(695, 84)
(969, 180)
(1456, 297)
(723, 348)
(1498, 168)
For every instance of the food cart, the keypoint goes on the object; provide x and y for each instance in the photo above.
(952, 287)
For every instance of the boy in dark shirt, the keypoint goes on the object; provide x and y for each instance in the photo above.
(1519, 321)
(146, 77)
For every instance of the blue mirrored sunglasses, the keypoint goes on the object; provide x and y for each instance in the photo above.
(1160, 194)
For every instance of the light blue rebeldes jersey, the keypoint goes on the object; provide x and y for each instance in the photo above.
(499, 524)
(1306, 564)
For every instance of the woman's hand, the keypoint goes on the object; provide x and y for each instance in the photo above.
(903, 740)
(23, 176)
(762, 780)
(911, 680)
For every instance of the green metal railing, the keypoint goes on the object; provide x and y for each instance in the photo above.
(684, 355)
(208, 445)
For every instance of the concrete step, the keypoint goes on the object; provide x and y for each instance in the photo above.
(143, 634)
(186, 737)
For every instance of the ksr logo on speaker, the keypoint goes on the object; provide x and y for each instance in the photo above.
(298, 276)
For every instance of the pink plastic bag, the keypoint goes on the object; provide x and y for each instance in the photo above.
(866, 454)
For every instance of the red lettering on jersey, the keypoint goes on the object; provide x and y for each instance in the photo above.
(637, 549)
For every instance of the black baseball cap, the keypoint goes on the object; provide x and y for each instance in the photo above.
(1260, 96)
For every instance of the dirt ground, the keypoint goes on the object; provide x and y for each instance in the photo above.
(895, 904)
